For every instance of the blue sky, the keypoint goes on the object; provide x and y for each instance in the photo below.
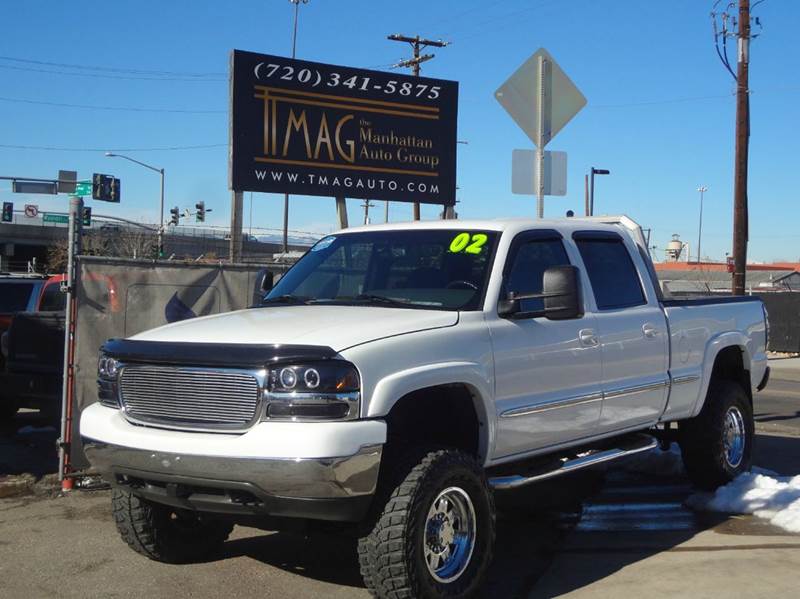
(660, 111)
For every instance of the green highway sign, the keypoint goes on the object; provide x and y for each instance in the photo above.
(55, 218)
(83, 188)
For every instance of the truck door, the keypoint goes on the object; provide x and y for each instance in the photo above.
(632, 329)
(548, 375)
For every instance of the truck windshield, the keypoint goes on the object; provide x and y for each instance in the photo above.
(436, 269)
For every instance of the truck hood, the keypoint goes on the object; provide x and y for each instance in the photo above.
(337, 327)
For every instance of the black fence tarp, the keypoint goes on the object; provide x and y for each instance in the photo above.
(119, 298)
(784, 321)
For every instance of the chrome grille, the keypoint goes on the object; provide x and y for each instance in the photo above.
(190, 397)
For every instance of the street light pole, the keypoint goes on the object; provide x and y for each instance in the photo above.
(286, 195)
(702, 189)
(595, 171)
(160, 171)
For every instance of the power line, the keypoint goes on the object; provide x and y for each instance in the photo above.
(109, 76)
(480, 29)
(120, 108)
(109, 69)
(106, 149)
(664, 101)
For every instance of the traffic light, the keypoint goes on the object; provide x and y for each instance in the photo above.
(114, 191)
(105, 188)
(201, 212)
(175, 215)
(87, 216)
(8, 212)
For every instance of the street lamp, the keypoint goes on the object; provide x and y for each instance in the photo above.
(595, 171)
(286, 195)
(161, 172)
(702, 189)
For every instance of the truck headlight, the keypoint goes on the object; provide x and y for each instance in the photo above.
(327, 390)
(107, 370)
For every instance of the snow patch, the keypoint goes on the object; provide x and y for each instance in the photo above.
(774, 498)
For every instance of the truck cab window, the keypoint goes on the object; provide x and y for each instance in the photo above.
(527, 270)
(53, 299)
(612, 273)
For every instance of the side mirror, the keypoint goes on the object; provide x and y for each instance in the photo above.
(267, 281)
(561, 291)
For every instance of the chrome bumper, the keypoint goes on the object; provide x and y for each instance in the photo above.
(325, 488)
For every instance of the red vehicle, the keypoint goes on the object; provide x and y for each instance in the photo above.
(31, 367)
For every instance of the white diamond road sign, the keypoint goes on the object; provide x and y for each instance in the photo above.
(527, 92)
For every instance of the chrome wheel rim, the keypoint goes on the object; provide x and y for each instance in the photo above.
(449, 536)
(733, 437)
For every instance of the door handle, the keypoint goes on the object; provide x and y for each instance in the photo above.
(588, 337)
(649, 330)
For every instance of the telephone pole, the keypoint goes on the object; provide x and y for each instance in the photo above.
(740, 224)
(741, 76)
(366, 206)
(417, 44)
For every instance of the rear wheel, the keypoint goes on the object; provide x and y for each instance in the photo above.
(717, 445)
(434, 535)
(166, 534)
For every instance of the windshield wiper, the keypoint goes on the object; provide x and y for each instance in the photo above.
(375, 299)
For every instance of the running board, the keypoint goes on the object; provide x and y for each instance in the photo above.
(631, 446)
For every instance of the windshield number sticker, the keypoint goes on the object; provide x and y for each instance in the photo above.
(471, 244)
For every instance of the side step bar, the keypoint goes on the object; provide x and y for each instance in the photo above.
(631, 446)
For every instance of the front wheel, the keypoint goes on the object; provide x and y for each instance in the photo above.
(434, 536)
(166, 534)
(717, 445)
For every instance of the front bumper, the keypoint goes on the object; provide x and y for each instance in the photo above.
(244, 474)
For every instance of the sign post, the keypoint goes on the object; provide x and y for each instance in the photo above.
(541, 99)
(68, 385)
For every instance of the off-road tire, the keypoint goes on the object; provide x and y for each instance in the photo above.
(391, 549)
(164, 534)
(702, 438)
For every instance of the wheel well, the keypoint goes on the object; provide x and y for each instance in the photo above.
(442, 415)
(729, 365)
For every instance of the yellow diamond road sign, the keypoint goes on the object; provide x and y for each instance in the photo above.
(540, 98)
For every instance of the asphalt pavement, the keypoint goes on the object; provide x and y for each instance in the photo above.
(620, 534)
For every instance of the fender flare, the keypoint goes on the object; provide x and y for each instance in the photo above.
(389, 390)
(713, 347)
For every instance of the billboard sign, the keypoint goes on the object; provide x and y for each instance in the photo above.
(309, 128)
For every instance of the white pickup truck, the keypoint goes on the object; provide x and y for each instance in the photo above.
(398, 376)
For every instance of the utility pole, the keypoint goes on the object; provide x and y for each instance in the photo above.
(702, 189)
(417, 44)
(740, 213)
(740, 224)
(366, 206)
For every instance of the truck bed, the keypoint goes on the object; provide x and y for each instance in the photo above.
(698, 327)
